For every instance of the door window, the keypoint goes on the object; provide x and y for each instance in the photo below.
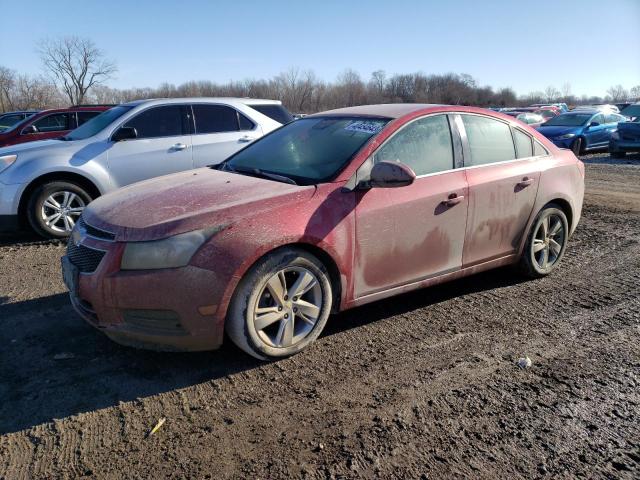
(157, 122)
(215, 118)
(598, 118)
(611, 118)
(56, 122)
(523, 143)
(424, 145)
(490, 140)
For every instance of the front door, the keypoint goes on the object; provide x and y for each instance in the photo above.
(503, 184)
(163, 146)
(415, 232)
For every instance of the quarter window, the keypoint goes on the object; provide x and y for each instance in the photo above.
(56, 122)
(489, 140)
(424, 145)
(539, 150)
(215, 118)
(523, 144)
(156, 122)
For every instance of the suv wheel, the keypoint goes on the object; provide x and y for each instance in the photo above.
(55, 207)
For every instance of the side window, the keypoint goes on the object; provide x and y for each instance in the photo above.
(538, 149)
(215, 118)
(612, 118)
(158, 122)
(84, 116)
(489, 140)
(598, 118)
(56, 122)
(523, 144)
(245, 123)
(424, 145)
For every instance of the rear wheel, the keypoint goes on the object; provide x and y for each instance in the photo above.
(281, 305)
(576, 146)
(55, 207)
(546, 242)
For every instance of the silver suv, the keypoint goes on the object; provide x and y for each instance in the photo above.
(50, 182)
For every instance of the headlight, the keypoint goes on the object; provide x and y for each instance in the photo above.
(565, 137)
(170, 252)
(6, 161)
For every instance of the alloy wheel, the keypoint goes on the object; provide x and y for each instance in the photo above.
(548, 241)
(288, 307)
(61, 210)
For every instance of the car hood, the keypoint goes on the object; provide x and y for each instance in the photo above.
(550, 131)
(37, 146)
(186, 201)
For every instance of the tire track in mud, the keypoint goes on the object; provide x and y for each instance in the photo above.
(425, 383)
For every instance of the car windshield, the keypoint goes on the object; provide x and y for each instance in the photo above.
(569, 120)
(97, 123)
(310, 150)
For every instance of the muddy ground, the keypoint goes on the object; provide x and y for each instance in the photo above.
(424, 384)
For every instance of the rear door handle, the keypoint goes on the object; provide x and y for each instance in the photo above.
(246, 139)
(178, 146)
(454, 199)
(525, 182)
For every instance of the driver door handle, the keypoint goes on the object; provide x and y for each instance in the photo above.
(178, 146)
(526, 181)
(454, 199)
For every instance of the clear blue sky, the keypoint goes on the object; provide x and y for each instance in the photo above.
(523, 44)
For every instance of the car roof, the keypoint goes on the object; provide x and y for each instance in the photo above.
(227, 100)
(388, 110)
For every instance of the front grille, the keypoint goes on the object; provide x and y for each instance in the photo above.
(95, 232)
(85, 258)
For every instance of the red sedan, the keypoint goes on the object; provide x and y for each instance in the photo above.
(329, 212)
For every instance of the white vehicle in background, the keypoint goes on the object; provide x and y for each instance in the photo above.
(601, 108)
(49, 182)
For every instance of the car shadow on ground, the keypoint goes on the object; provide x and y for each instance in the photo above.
(24, 237)
(53, 365)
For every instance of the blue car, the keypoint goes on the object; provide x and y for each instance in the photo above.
(582, 130)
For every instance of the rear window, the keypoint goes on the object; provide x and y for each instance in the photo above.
(275, 112)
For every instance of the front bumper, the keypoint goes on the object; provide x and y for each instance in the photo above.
(564, 143)
(9, 201)
(170, 309)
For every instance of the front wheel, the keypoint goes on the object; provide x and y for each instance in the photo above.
(55, 207)
(546, 242)
(281, 305)
(576, 146)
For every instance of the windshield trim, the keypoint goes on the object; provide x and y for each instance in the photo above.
(305, 180)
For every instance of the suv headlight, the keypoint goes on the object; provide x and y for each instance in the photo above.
(566, 136)
(170, 252)
(6, 161)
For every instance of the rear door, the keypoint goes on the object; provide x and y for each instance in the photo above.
(412, 233)
(163, 146)
(503, 176)
(219, 132)
(596, 134)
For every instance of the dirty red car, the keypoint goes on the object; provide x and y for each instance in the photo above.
(329, 212)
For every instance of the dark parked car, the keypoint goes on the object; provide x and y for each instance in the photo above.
(49, 124)
(582, 130)
(627, 137)
(332, 211)
(9, 119)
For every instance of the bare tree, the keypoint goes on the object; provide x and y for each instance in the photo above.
(551, 93)
(617, 93)
(76, 64)
(7, 84)
(634, 93)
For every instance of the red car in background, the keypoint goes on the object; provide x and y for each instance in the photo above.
(47, 124)
(326, 213)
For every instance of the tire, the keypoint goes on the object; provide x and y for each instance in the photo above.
(280, 337)
(618, 154)
(532, 263)
(39, 207)
(576, 147)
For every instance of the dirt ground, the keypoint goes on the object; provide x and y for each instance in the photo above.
(422, 385)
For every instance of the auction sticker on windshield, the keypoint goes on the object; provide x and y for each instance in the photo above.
(365, 126)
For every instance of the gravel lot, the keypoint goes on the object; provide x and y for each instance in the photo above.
(425, 384)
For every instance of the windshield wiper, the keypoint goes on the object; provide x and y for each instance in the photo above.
(261, 173)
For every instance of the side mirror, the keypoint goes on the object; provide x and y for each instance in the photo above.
(594, 124)
(29, 129)
(124, 133)
(391, 175)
